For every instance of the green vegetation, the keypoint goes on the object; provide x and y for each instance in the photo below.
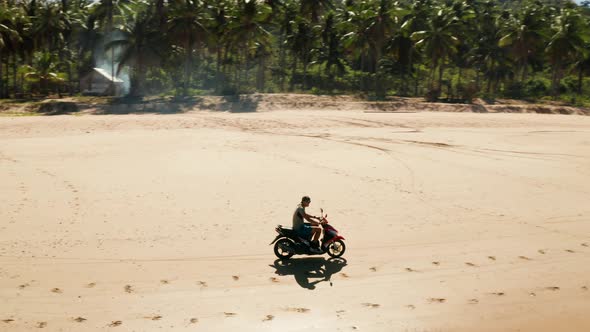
(442, 50)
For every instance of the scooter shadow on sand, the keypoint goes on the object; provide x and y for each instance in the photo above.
(306, 269)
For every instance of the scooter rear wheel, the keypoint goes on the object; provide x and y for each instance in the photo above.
(284, 249)
(336, 249)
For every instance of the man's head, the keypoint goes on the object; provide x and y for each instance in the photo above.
(305, 200)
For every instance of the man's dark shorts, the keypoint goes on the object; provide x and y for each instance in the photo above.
(305, 232)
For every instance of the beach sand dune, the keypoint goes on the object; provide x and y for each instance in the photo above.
(453, 221)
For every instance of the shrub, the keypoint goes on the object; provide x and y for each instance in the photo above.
(468, 91)
(433, 94)
(537, 87)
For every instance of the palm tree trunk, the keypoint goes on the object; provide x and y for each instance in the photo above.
(260, 75)
(69, 72)
(416, 84)
(141, 78)
(282, 60)
(226, 77)
(362, 80)
(247, 71)
(580, 78)
(218, 70)
(293, 73)
(1, 80)
(187, 66)
(15, 75)
(440, 75)
(305, 84)
(554, 80)
(491, 70)
(7, 77)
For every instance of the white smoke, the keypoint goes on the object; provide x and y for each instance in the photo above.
(103, 59)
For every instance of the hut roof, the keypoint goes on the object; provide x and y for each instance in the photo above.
(107, 75)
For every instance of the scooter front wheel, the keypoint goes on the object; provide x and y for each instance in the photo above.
(284, 249)
(336, 249)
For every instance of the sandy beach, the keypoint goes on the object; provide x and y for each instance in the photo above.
(453, 221)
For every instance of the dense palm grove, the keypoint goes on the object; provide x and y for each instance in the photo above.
(434, 48)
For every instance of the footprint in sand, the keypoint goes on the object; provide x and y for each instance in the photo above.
(128, 289)
(115, 323)
(409, 269)
(473, 301)
(268, 318)
(411, 306)
(373, 269)
(8, 320)
(202, 283)
(585, 288)
(498, 293)
(299, 310)
(274, 279)
(541, 251)
(164, 282)
(57, 291)
(41, 325)
(23, 286)
(344, 275)
(436, 263)
(371, 305)
(532, 294)
(436, 300)
(79, 319)
(194, 320)
(492, 258)
(90, 285)
(235, 278)
(230, 314)
(585, 245)
(158, 317)
(470, 264)
(524, 258)
(552, 288)
(570, 251)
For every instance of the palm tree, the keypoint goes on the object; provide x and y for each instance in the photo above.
(218, 32)
(139, 49)
(439, 41)
(331, 52)
(286, 23)
(9, 36)
(567, 44)
(486, 54)
(525, 35)
(301, 44)
(358, 40)
(312, 9)
(415, 19)
(582, 65)
(247, 33)
(187, 25)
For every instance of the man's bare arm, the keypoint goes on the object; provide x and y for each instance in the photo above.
(310, 218)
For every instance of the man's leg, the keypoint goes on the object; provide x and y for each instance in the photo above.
(316, 234)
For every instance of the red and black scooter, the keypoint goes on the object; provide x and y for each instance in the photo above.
(288, 243)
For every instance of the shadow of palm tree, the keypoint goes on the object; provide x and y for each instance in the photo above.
(305, 269)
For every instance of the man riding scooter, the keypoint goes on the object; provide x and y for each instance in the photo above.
(307, 230)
